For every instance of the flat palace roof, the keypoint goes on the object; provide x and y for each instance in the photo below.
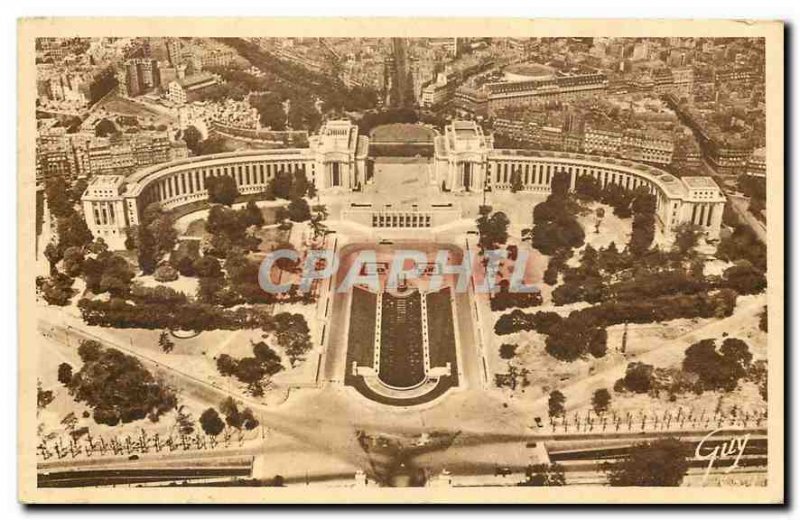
(466, 132)
(530, 69)
(700, 182)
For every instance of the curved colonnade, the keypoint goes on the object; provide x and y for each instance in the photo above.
(464, 160)
(689, 199)
(175, 184)
(335, 158)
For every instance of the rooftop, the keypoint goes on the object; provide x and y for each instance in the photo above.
(669, 183)
(141, 174)
(466, 135)
(700, 182)
(521, 71)
(196, 79)
(105, 181)
(104, 186)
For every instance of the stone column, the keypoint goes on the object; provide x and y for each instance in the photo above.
(716, 220)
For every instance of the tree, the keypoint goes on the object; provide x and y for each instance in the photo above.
(250, 371)
(744, 278)
(183, 258)
(226, 365)
(493, 230)
(252, 215)
(211, 422)
(165, 342)
(73, 232)
(743, 244)
(56, 192)
(318, 228)
(107, 272)
(551, 236)
(222, 190)
(73, 261)
(508, 350)
(57, 289)
(43, 397)
(760, 376)
(600, 400)
(208, 267)
(516, 181)
(243, 277)
(117, 276)
(210, 289)
(298, 210)
(297, 347)
(65, 374)
(89, 350)
(597, 344)
(229, 230)
(249, 421)
(587, 188)
(643, 201)
(231, 412)
(161, 225)
(189, 315)
(589, 259)
(147, 254)
(643, 207)
(292, 334)
(184, 421)
(312, 190)
(281, 184)
(638, 377)
(299, 188)
(686, 236)
(559, 185)
(269, 359)
(105, 127)
(718, 370)
(566, 345)
(270, 110)
(54, 255)
(131, 233)
(235, 418)
(555, 404)
(762, 320)
(192, 137)
(118, 387)
(642, 233)
(702, 358)
(659, 463)
(737, 354)
(550, 276)
(568, 293)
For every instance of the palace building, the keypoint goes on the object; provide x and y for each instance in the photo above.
(464, 160)
(336, 157)
(530, 83)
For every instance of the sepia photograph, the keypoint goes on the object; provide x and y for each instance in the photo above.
(400, 261)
